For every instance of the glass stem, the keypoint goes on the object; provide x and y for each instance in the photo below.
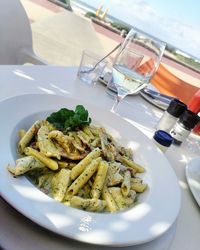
(118, 99)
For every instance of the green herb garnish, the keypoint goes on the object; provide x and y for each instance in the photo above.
(66, 119)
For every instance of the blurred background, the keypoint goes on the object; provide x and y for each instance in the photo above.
(63, 28)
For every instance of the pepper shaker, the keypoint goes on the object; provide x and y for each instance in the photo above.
(187, 121)
(171, 115)
(194, 106)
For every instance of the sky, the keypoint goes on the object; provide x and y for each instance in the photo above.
(176, 22)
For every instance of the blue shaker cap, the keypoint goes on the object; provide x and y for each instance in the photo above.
(163, 138)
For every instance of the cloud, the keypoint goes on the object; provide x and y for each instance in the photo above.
(181, 35)
(141, 15)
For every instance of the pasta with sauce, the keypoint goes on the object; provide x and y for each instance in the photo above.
(84, 168)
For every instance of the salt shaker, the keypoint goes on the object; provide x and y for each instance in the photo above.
(162, 139)
(171, 115)
(183, 126)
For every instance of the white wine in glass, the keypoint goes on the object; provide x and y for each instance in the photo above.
(135, 64)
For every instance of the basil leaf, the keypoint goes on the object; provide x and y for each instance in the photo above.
(66, 119)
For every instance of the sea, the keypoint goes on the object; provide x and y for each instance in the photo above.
(82, 7)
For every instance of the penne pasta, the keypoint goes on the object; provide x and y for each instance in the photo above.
(45, 160)
(92, 205)
(44, 183)
(43, 180)
(84, 192)
(99, 180)
(64, 164)
(60, 183)
(88, 132)
(139, 187)
(28, 136)
(83, 178)
(136, 180)
(83, 137)
(108, 148)
(96, 143)
(21, 133)
(82, 167)
(132, 164)
(110, 202)
(121, 201)
(79, 168)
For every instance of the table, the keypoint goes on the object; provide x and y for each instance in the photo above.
(17, 232)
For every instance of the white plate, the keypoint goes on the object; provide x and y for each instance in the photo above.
(192, 172)
(157, 208)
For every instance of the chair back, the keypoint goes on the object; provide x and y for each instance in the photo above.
(168, 83)
(15, 32)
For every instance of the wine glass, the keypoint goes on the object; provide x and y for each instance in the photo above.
(135, 64)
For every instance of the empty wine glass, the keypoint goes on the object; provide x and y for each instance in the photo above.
(135, 63)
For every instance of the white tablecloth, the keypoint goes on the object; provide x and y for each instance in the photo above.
(18, 232)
